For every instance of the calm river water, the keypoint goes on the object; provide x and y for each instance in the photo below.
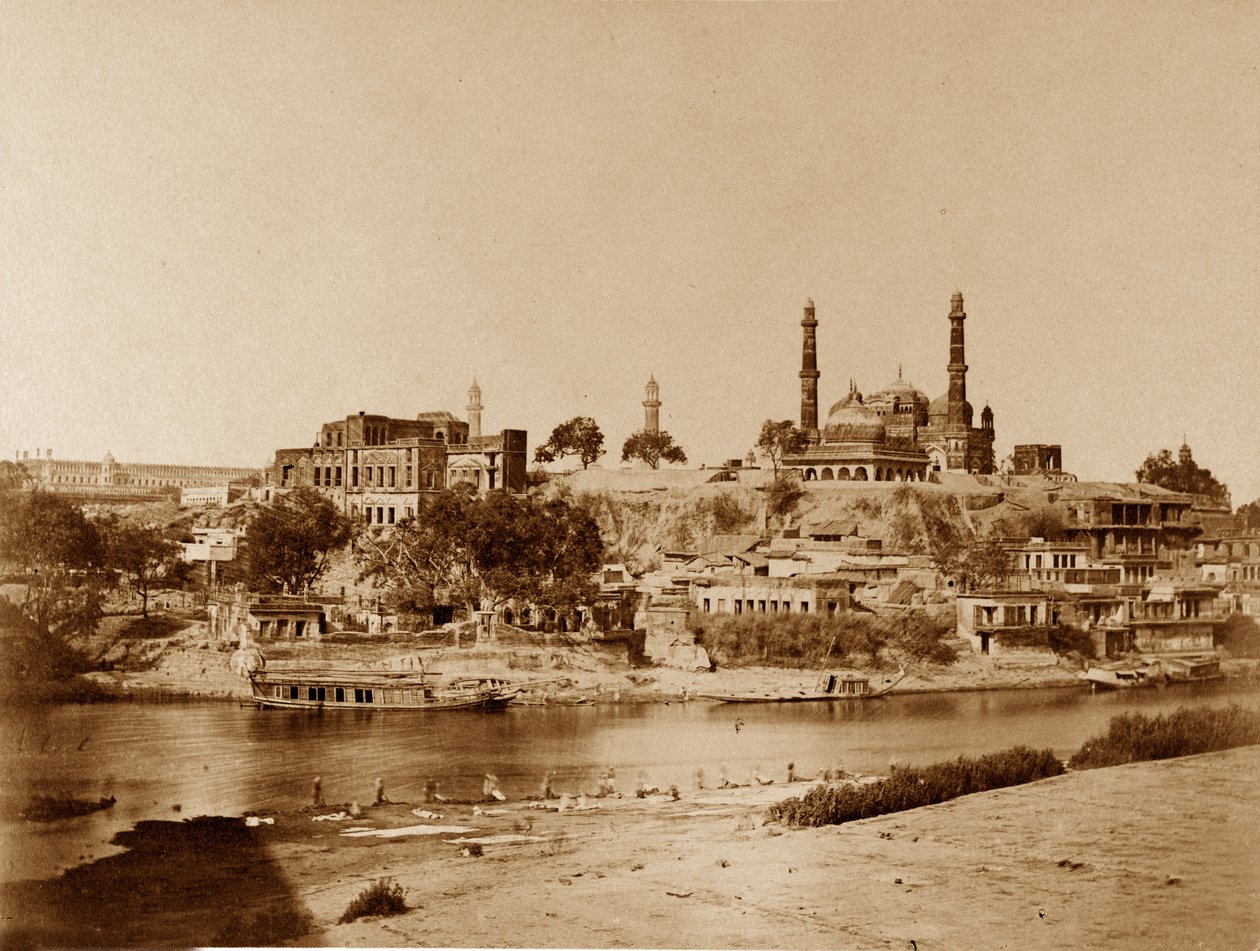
(219, 758)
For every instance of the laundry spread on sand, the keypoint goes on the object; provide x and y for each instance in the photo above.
(410, 830)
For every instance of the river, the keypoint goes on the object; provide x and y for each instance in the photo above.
(187, 759)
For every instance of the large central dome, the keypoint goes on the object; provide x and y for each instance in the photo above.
(850, 421)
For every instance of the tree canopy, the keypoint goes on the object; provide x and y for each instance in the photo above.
(1249, 514)
(653, 448)
(780, 439)
(1181, 474)
(481, 551)
(144, 553)
(579, 436)
(288, 543)
(61, 555)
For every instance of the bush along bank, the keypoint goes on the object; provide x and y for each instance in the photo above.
(1135, 737)
(910, 788)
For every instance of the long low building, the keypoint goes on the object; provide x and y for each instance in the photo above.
(109, 479)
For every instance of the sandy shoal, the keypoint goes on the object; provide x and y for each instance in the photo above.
(1163, 855)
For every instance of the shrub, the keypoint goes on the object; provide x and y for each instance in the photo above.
(265, 929)
(1240, 635)
(382, 897)
(910, 788)
(801, 640)
(1135, 737)
(1069, 639)
(782, 496)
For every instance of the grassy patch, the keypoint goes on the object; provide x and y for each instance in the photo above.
(1135, 737)
(382, 897)
(910, 788)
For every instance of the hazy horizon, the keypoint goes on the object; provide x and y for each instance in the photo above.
(227, 224)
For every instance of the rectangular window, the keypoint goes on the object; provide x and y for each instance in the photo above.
(354, 476)
(337, 475)
(761, 606)
(706, 606)
(391, 515)
(380, 475)
(339, 693)
(721, 607)
(293, 692)
(804, 607)
(392, 471)
(358, 694)
(311, 693)
(367, 475)
(380, 515)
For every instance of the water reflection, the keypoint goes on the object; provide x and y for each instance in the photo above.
(224, 759)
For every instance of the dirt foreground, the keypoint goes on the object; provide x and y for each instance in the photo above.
(1159, 855)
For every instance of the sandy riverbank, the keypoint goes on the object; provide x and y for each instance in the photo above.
(1150, 855)
(189, 664)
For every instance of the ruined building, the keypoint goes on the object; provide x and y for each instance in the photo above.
(896, 434)
(379, 467)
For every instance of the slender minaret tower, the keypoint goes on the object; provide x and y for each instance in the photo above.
(957, 418)
(652, 406)
(809, 372)
(474, 408)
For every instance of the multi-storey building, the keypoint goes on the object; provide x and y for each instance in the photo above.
(380, 467)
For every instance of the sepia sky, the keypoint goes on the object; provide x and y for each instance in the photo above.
(222, 224)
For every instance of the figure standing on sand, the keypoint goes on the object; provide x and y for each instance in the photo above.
(317, 793)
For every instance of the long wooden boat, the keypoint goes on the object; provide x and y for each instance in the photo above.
(831, 686)
(330, 688)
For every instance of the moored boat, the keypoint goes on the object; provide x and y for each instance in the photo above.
(832, 685)
(1124, 676)
(365, 689)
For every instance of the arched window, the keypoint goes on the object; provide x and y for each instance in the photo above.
(826, 474)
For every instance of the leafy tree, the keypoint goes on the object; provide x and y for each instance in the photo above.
(289, 541)
(484, 551)
(1249, 514)
(653, 448)
(578, 436)
(975, 562)
(422, 561)
(60, 554)
(143, 553)
(1182, 474)
(13, 476)
(780, 439)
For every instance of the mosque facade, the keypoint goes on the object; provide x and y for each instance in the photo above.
(896, 434)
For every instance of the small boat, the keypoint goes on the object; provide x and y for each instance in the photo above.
(362, 689)
(1124, 676)
(832, 685)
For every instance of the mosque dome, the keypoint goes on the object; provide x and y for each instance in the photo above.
(850, 421)
(899, 393)
(939, 407)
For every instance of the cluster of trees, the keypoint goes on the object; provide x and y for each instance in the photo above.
(1181, 474)
(67, 561)
(481, 551)
(581, 437)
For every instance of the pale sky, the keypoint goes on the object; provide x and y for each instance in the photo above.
(226, 223)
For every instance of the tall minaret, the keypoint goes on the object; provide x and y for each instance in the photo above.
(809, 372)
(957, 418)
(474, 408)
(652, 406)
